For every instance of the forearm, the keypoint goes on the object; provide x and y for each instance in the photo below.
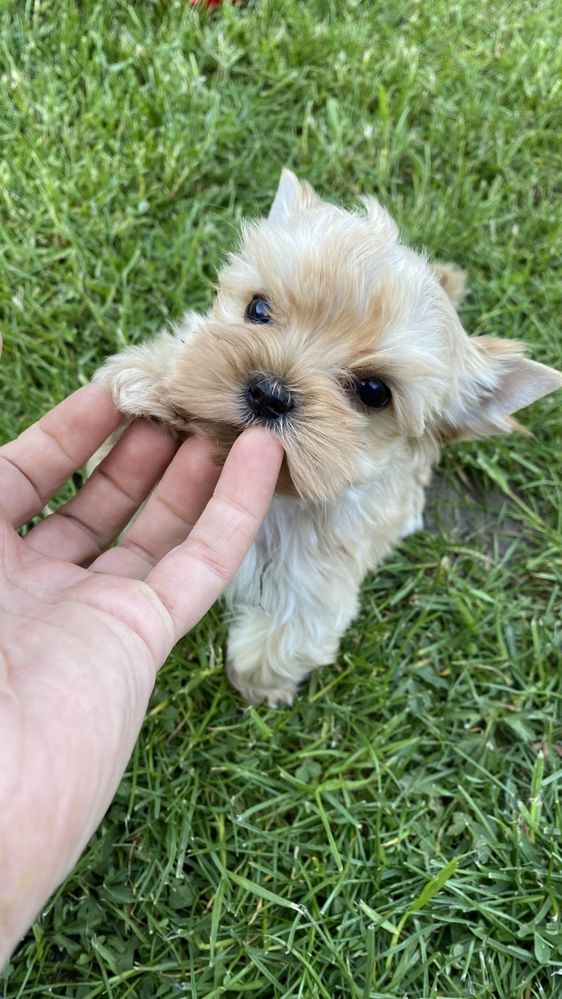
(65, 741)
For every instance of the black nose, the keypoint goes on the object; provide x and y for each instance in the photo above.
(268, 399)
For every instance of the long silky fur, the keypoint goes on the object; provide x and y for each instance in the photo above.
(348, 301)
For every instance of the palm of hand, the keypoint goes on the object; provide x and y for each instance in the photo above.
(77, 673)
(80, 647)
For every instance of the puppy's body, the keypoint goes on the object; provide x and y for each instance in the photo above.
(297, 590)
(347, 345)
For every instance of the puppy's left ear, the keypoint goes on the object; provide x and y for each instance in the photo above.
(452, 279)
(292, 196)
(499, 382)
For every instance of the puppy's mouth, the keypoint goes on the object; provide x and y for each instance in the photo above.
(221, 436)
(264, 401)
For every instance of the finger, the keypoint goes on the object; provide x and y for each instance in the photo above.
(168, 516)
(37, 463)
(192, 576)
(81, 529)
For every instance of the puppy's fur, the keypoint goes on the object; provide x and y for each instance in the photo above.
(347, 302)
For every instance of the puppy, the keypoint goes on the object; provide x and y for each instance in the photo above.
(346, 344)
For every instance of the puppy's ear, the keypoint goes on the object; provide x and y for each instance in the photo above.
(452, 279)
(292, 196)
(499, 381)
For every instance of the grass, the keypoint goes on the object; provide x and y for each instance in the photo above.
(398, 832)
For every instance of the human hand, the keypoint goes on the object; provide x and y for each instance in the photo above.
(84, 628)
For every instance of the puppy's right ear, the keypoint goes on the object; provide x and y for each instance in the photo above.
(292, 196)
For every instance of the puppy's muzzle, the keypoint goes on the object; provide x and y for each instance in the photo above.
(267, 399)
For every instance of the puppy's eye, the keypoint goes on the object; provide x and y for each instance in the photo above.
(373, 393)
(258, 310)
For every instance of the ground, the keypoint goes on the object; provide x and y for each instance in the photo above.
(397, 833)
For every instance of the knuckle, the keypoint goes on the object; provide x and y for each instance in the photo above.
(207, 555)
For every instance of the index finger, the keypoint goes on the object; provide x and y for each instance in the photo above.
(37, 463)
(193, 575)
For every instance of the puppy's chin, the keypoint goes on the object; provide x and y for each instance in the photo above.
(221, 437)
(299, 477)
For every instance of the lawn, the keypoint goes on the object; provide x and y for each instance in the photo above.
(397, 832)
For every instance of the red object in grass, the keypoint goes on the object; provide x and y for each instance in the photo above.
(209, 3)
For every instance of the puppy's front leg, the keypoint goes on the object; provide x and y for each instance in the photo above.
(295, 628)
(268, 659)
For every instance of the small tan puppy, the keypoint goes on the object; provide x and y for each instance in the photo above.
(347, 346)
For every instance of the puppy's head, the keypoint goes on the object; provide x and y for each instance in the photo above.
(340, 340)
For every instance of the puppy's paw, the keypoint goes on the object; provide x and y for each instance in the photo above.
(281, 694)
(135, 378)
(259, 664)
(412, 526)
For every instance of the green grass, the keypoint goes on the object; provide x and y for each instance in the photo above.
(398, 832)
